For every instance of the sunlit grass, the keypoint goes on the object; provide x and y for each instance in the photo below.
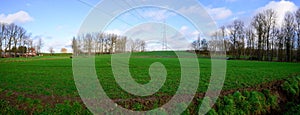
(53, 75)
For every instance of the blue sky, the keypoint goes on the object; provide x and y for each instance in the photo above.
(57, 21)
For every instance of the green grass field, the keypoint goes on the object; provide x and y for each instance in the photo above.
(52, 75)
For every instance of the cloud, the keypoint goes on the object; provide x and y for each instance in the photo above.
(281, 7)
(153, 34)
(189, 33)
(42, 37)
(190, 10)
(56, 45)
(183, 29)
(19, 17)
(158, 15)
(219, 13)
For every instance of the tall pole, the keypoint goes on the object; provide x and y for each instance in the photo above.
(199, 43)
(164, 47)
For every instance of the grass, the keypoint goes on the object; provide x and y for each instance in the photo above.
(64, 108)
(39, 75)
(52, 75)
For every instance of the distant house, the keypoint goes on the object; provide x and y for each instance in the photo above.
(31, 53)
(63, 50)
(4, 54)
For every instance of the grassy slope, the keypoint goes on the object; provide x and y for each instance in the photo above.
(53, 75)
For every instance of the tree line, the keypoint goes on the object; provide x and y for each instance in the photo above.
(264, 39)
(105, 43)
(14, 41)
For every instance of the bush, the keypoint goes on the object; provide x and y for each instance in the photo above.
(291, 86)
(245, 103)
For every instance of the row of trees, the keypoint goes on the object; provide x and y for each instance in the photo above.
(104, 43)
(264, 38)
(15, 39)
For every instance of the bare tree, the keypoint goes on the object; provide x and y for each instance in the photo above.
(196, 45)
(289, 29)
(39, 45)
(204, 45)
(121, 44)
(297, 16)
(269, 23)
(280, 44)
(51, 50)
(137, 45)
(20, 32)
(13, 39)
(143, 45)
(258, 24)
(88, 43)
(2, 35)
(236, 33)
(12, 32)
(74, 46)
(250, 37)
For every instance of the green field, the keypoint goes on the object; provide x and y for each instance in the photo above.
(53, 76)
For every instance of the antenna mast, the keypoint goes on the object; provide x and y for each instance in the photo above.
(164, 47)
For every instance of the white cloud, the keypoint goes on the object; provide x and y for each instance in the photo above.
(281, 7)
(57, 45)
(19, 17)
(219, 13)
(189, 33)
(195, 33)
(157, 15)
(190, 10)
(183, 29)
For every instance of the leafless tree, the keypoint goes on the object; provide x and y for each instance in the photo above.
(297, 16)
(39, 45)
(51, 50)
(258, 24)
(2, 35)
(196, 45)
(269, 22)
(74, 47)
(121, 44)
(289, 29)
(280, 45)
(103, 43)
(236, 34)
(250, 37)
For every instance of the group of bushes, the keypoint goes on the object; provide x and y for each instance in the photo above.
(245, 103)
(292, 89)
(292, 86)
